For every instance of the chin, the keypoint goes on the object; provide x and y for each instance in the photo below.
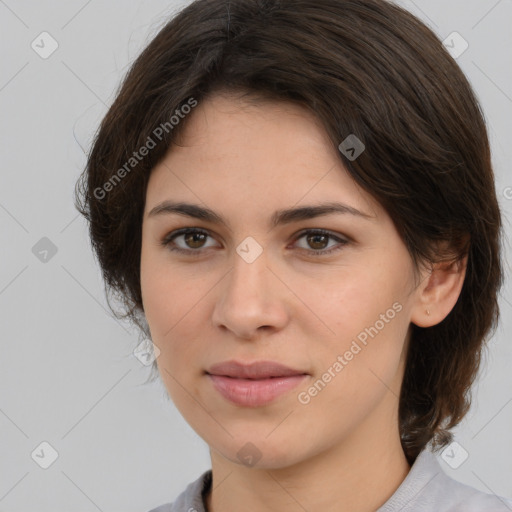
(260, 453)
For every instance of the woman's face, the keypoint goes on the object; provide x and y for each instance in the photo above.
(248, 289)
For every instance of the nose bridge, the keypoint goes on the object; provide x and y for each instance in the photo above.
(249, 275)
(250, 296)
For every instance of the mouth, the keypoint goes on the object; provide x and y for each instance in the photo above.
(254, 370)
(256, 384)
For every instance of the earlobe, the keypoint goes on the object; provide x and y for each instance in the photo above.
(438, 292)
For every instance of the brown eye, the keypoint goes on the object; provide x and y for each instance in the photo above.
(191, 241)
(317, 242)
(194, 239)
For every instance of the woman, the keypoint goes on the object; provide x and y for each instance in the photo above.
(295, 201)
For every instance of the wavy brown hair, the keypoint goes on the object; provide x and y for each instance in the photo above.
(363, 67)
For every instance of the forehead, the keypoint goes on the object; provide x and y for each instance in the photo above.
(254, 153)
(224, 120)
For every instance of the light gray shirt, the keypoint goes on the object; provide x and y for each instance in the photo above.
(426, 488)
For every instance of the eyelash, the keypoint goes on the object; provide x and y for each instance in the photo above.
(166, 242)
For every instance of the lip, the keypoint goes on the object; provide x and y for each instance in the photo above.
(254, 370)
(255, 384)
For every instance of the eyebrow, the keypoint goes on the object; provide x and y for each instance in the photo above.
(280, 217)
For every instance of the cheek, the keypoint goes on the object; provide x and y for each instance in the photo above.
(367, 311)
(354, 298)
(174, 305)
(167, 294)
(171, 308)
(156, 299)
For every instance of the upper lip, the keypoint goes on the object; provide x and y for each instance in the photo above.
(254, 370)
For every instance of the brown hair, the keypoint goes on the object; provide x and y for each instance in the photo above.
(363, 67)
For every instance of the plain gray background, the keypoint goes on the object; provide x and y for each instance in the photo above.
(68, 376)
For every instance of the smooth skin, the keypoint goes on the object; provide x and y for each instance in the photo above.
(245, 161)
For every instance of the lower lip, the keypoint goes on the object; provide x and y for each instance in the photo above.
(252, 392)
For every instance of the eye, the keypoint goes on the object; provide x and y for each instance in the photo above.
(192, 238)
(318, 240)
(193, 241)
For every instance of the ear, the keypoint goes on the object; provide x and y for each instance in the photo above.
(438, 292)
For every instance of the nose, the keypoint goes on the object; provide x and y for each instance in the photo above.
(251, 299)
